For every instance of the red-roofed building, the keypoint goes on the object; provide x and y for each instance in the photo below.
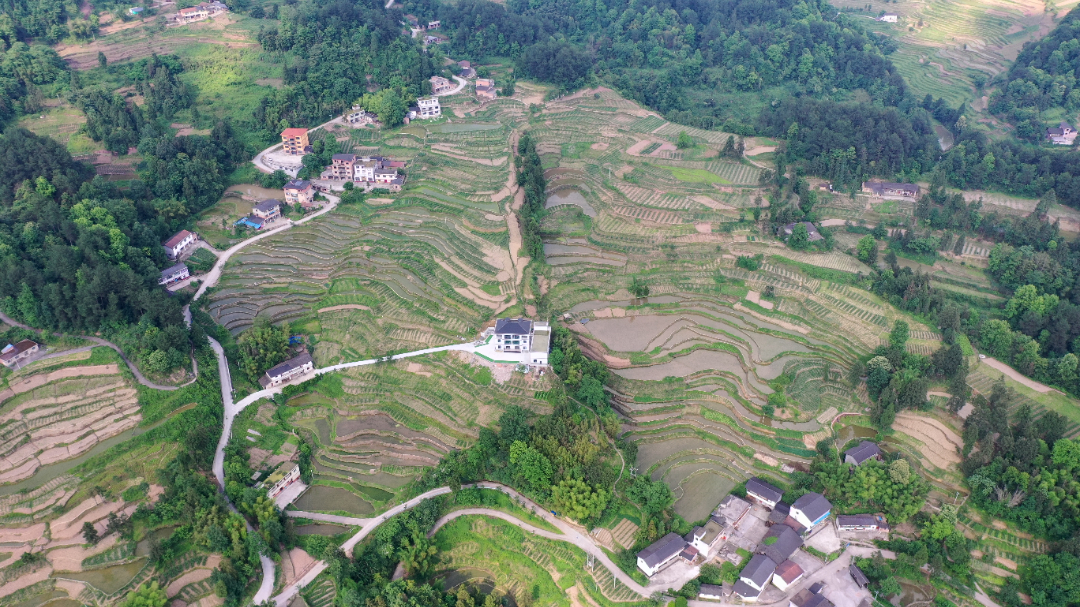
(295, 141)
(12, 354)
(175, 246)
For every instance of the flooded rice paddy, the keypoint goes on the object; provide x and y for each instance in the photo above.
(108, 579)
(322, 498)
(570, 196)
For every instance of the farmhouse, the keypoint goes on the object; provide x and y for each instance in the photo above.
(762, 492)
(440, 85)
(889, 17)
(342, 167)
(1062, 135)
(280, 479)
(660, 554)
(860, 522)
(11, 355)
(485, 88)
(433, 25)
(786, 574)
(811, 509)
(294, 367)
(359, 116)
(192, 14)
(730, 513)
(780, 543)
(174, 274)
(268, 209)
(753, 578)
(864, 452)
(429, 108)
(295, 142)
(880, 189)
(175, 246)
(707, 537)
(250, 221)
(811, 231)
(513, 334)
(299, 191)
(466, 69)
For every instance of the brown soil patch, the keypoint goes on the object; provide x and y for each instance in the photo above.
(599, 146)
(35, 381)
(418, 369)
(71, 558)
(636, 149)
(272, 82)
(664, 147)
(1015, 375)
(615, 362)
(344, 307)
(703, 228)
(295, 563)
(712, 204)
(939, 442)
(195, 575)
(767, 459)
(501, 373)
(380, 201)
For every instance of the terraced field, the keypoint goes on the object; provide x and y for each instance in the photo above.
(385, 423)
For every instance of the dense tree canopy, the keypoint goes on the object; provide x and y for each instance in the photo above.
(652, 51)
(312, 40)
(1044, 76)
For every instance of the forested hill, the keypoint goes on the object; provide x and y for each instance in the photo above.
(657, 51)
(1043, 77)
(315, 38)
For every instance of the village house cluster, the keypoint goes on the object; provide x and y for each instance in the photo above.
(369, 171)
(772, 530)
(887, 189)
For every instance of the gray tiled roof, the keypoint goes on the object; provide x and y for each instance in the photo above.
(513, 326)
(745, 590)
(758, 569)
(813, 505)
(787, 542)
(289, 365)
(662, 549)
(862, 452)
(856, 520)
(759, 487)
(267, 205)
(173, 270)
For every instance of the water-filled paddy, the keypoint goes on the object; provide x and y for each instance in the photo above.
(322, 498)
(698, 360)
(570, 196)
(109, 579)
(702, 494)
